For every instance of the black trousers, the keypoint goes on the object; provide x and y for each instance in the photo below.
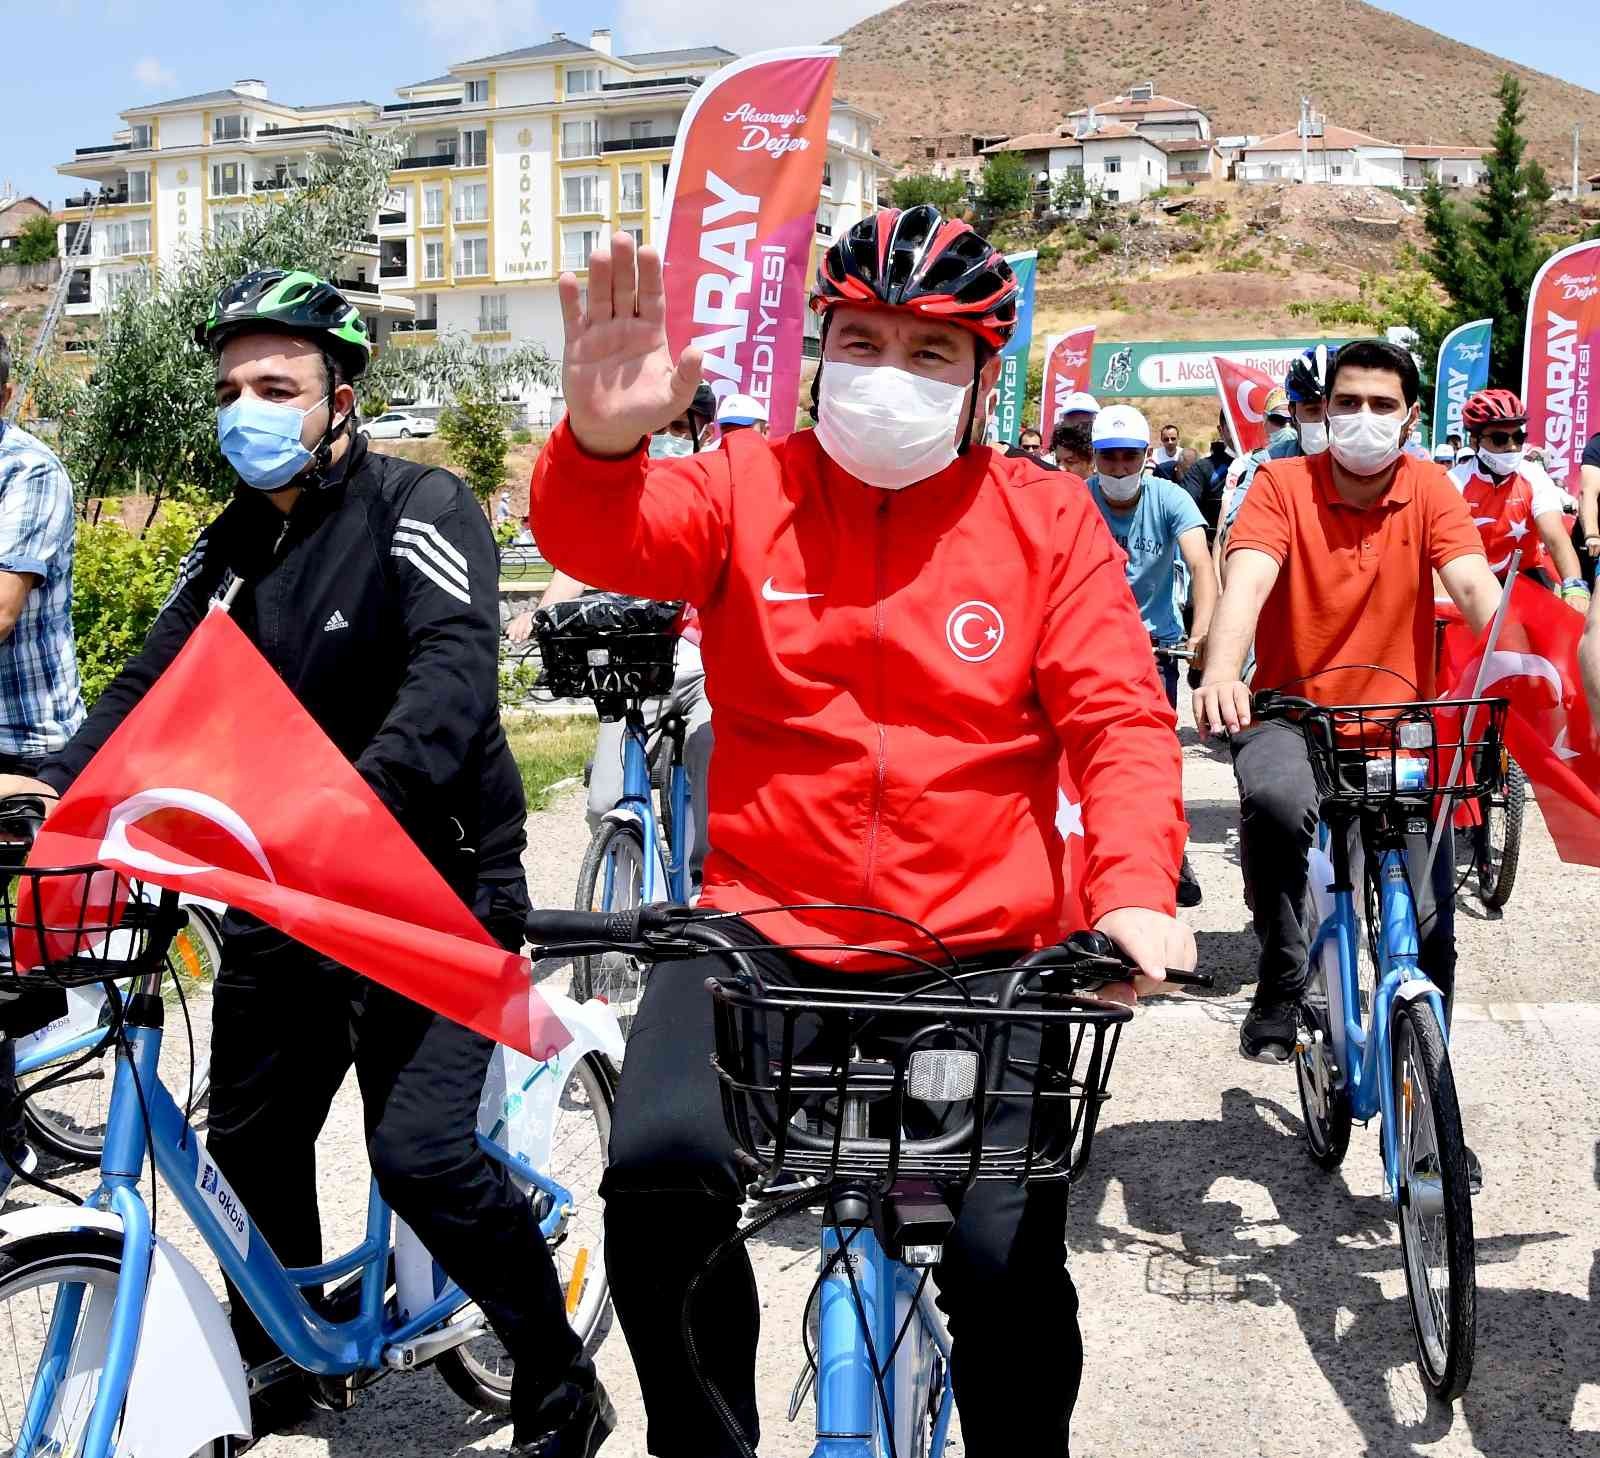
(673, 1194)
(286, 1026)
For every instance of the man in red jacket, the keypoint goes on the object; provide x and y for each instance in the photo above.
(904, 633)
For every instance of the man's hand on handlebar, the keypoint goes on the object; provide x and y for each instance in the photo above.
(1222, 707)
(1153, 941)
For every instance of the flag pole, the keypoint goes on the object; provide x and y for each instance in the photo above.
(1446, 812)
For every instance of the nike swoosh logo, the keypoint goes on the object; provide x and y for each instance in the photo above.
(774, 594)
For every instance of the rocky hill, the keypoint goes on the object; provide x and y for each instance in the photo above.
(1013, 66)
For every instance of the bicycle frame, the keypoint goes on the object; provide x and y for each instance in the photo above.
(145, 1119)
(1363, 1054)
(666, 878)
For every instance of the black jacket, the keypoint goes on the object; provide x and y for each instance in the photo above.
(377, 601)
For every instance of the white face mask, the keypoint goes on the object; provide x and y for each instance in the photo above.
(1313, 436)
(665, 446)
(887, 427)
(1366, 444)
(1121, 489)
(1501, 463)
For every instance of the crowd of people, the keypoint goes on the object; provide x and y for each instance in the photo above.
(900, 635)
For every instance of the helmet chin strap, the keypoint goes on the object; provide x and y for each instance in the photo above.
(322, 456)
(972, 404)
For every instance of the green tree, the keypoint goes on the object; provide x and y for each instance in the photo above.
(1007, 185)
(453, 369)
(36, 241)
(474, 428)
(948, 194)
(1484, 255)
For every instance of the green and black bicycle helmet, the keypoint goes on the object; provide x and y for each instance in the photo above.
(292, 302)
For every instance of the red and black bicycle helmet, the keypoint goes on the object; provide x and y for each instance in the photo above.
(1493, 407)
(917, 259)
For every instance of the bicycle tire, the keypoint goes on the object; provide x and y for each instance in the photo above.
(1497, 878)
(1435, 1201)
(464, 1371)
(1327, 1129)
(68, 1120)
(617, 979)
(661, 785)
(39, 1263)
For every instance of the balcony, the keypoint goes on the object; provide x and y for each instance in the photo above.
(391, 220)
(328, 127)
(103, 147)
(414, 326)
(640, 144)
(279, 184)
(437, 159)
(108, 197)
(349, 286)
(657, 83)
(400, 107)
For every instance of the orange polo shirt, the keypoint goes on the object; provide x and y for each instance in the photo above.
(1355, 585)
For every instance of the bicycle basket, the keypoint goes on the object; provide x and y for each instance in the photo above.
(608, 647)
(948, 1096)
(76, 925)
(1418, 753)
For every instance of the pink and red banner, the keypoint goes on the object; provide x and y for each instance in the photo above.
(1561, 362)
(740, 214)
(1243, 390)
(1066, 371)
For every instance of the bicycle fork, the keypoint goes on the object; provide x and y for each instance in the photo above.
(847, 1391)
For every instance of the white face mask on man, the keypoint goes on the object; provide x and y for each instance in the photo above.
(1313, 436)
(1366, 444)
(1501, 463)
(887, 426)
(1121, 489)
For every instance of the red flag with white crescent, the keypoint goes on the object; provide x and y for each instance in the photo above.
(240, 797)
(1243, 391)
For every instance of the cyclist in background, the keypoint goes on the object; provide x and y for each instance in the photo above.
(1206, 478)
(741, 412)
(1505, 492)
(1331, 564)
(908, 631)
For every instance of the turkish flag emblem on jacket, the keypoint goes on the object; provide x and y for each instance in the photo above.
(220, 784)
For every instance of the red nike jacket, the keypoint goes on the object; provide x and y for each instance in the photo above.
(895, 678)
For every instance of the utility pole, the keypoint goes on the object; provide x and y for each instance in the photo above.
(1305, 133)
(1576, 131)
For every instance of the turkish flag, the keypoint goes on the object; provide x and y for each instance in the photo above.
(1069, 826)
(1243, 391)
(1548, 727)
(220, 784)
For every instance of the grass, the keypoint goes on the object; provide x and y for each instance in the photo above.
(549, 750)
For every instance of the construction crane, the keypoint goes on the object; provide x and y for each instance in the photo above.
(58, 303)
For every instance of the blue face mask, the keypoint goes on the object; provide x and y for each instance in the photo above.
(664, 447)
(262, 441)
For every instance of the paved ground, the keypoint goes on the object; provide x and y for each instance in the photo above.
(1235, 1301)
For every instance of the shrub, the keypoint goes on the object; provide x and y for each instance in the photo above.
(522, 437)
(948, 194)
(36, 241)
(475, 430)
(1107, 243)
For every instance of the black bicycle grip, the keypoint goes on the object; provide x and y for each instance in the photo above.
(552, 927)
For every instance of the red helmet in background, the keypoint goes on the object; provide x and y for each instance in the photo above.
(1493, 407)
(922, 262)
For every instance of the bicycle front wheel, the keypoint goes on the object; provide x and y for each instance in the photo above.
(612, 879)
(68, 1118)
(1324, 1096)
(1499, 838)
(1436, 1240)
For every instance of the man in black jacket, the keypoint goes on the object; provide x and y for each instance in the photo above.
(371, 585)
(1207, 476)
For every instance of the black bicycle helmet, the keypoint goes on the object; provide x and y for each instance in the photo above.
(291, 302)
(1307, 380)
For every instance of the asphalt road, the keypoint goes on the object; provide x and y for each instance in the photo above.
(1235, 1300)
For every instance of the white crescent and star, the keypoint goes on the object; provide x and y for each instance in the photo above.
(1242, 395)
(973, 646)
(115, 845)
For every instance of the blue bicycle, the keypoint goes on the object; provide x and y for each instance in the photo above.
(1379, 1044)
(878, 1106)
(118, 1345)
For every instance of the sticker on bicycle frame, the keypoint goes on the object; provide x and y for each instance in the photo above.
(225, 1206)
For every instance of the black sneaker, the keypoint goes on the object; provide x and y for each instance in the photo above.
(1188, 885)
(1270, 1029)
(571, 1422)
(1474, 1173)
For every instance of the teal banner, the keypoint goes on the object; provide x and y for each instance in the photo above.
(1463, 371)
(1183, 366)
(1014, 357)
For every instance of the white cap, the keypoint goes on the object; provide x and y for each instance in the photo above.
(1079, 403)
(741, 410)
(1444, 452)
(1466, 453)
(1120, 427)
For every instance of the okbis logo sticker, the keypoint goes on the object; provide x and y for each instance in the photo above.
(225, 1206)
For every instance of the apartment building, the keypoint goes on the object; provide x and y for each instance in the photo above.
(515, 166)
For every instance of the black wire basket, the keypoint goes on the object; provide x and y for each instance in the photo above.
(76, 925)
(933, 1073)
(1370, 755)
(608, 647)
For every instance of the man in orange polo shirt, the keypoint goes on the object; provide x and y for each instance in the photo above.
(1331, 563)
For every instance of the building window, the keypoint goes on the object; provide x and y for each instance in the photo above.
(140, 140)
(827, 173)
(492, 316)
(474, 148)
(233, 128)
(433, 259)
(227, 179)
(130, 237)
(582, 81)
(138, 187)
(396, 206)
(577, 139)
(472, 202)
(825, 220)
(472, 257)
(1188, 164)
(632, 191)
(477, 93)
(1113, 164)
(227, 223)
(636, 232)
(580, 193)
(576, 246)
(1338, 169)
(1113, 195)
(432, 206)
(118, 283)
(639, 130)
(79, 291)
(394, 259)
(1148, 169)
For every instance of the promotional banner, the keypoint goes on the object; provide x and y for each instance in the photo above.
(1014, 357)
(1243, 391)
(740, 216)
(1561, 361)
(1066, 370)
(1183, 366)
(1463, 371)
